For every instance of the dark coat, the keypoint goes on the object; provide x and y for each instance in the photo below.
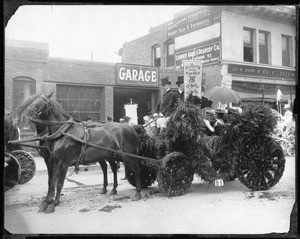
(167, 105)
(179, 96)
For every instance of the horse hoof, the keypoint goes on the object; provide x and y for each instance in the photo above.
(137, 197)
(56, 202)
(113, 192)
(43, 207)
(50, 208)
(103, 191)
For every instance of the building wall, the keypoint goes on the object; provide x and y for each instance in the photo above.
(232, 36)
(16, 68)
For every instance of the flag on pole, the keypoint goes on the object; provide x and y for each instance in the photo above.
(279, 95)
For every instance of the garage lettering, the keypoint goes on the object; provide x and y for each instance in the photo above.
(137, 75)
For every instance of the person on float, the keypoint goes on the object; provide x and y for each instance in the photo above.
(287, 120)
(216, 125)
(166, 106)
(180, 91)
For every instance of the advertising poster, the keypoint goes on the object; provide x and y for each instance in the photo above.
(192, 73)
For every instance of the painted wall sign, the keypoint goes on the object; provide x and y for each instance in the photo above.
(192, 74)
(208, 54)
(188, 23)
(128, 74)
(260, 71)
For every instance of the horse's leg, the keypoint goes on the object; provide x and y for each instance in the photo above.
(137, 173)
(114, 168)
(43, 206)
(49, 199)
(104, 171)
(62, 172)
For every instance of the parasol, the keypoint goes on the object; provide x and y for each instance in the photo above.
(222, 94)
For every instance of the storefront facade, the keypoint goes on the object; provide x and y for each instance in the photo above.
(85, 89)
(251, 49)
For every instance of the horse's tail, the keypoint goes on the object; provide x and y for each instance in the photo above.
(139, 128)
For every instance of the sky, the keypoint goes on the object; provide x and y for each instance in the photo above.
(86, 32)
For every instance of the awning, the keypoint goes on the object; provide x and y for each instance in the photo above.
(258, 97)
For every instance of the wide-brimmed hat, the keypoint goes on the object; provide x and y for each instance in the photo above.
(221, 108)
(179, 80)
(165, 81)
(287, 106)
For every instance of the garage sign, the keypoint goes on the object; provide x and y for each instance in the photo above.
(139, 75)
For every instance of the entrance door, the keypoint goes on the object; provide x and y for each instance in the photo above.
(145, 99)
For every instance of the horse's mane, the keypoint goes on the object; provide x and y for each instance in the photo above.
(20, 109)
(55, 105)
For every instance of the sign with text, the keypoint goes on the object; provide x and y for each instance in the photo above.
(190, 22)
(128, 74)
(260, 71)
(208, 54)
(192, 73)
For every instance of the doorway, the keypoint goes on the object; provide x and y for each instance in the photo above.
(146, 99)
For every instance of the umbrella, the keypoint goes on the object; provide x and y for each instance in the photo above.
(223, 94)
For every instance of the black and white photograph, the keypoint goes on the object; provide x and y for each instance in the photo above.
(150, 120)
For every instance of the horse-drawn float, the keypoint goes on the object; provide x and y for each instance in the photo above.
(245, 150)
(19, 164)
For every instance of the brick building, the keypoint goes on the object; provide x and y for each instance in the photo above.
(251, 49)
(85, 89)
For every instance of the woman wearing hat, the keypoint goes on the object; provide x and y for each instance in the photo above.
(166, 106)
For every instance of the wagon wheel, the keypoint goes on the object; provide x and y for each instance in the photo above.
(260, 163)
(148, 176)
(12, 171)
(27, 163)
(175, 175)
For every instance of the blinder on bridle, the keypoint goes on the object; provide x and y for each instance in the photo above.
(38, 110)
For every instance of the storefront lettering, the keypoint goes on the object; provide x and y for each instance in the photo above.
(191, 22)
(137, 74)
(208, 54)
(260, 71)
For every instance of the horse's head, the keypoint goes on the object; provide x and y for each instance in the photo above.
(39, 106)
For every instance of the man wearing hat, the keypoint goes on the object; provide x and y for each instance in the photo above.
(180, 92)
(166, 106)
(287, 119)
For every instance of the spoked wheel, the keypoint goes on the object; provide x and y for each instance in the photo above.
(12, 171)
(260, 163)
(148, 176)
(27, 163)
(175, 175)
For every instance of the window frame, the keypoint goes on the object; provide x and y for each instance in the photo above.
(170, 59)
(288, 39)
(265, 48)
(156, 60)
(249, 46)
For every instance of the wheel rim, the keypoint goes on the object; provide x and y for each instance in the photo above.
(12, 171)
(28, 166)
(175, 175)
(261, 163)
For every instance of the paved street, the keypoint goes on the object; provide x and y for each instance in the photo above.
(205, 209)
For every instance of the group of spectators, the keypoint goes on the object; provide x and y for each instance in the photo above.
(169, 101)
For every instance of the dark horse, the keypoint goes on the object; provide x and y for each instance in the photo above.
(67, 151)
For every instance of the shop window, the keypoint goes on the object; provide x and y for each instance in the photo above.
(23, 87)
(170, 54)
(263, 39)
(248, 36)
(82, 103)
(286, 50)
(157, 56)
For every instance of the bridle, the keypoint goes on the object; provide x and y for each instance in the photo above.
(40, 110)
